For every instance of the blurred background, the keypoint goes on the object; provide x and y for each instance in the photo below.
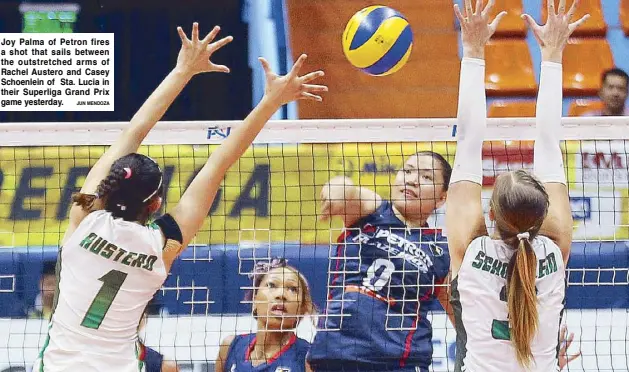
(428, 85)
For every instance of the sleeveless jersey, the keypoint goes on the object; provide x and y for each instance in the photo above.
(382, 275)
(108, 271)
(479, 300)
(291, 358)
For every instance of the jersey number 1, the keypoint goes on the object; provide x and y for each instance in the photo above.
(112, 281)
(500, 328)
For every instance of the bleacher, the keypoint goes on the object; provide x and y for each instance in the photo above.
(427, 86)
(601, 43)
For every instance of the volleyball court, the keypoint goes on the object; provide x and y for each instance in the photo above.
(268, 207)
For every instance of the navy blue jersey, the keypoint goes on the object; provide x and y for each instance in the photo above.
(292, 357)
(382, 276)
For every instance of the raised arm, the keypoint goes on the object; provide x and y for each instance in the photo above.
(341, 197)
(194, 58)
(548, 159)
(464, 211)
(196, 201)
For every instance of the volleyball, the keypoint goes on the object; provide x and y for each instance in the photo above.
(378, 40)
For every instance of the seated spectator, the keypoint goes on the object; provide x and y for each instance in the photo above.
(613, 94)
(44, 301)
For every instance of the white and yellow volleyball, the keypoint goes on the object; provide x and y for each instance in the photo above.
(378, 40)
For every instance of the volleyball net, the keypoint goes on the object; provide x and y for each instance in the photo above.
(268, 206)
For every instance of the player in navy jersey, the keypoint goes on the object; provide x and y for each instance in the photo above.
(389, 264)
(281, 298)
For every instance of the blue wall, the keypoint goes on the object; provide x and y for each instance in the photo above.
(221, 275)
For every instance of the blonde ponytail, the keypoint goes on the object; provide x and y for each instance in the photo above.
(522, 301)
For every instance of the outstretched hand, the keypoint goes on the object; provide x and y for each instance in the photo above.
(194, 56)
(290, 87)
(554, 35)
(476, 30)
(564, 359)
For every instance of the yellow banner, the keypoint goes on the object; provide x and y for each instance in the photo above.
(273, 187)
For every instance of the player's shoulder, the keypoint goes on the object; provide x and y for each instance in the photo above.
(98, 214)
(233, 347)
(482, 241)
(381, 215)
(546, 244)
(301, 348)
(386, 213)
(238, 341)
(99, 218)
(543, 239)
(228, 340)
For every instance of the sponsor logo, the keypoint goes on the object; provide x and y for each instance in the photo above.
(604, 167)
(396, 246)
(436, 250)
(217, 133)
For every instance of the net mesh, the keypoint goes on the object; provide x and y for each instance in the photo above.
(268, 207)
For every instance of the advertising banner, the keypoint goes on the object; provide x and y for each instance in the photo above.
(277, 187)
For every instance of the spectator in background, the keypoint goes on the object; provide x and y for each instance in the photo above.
(45, 299)
(613, 94)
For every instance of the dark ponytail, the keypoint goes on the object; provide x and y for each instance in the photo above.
(85, 201)
(132, 183)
